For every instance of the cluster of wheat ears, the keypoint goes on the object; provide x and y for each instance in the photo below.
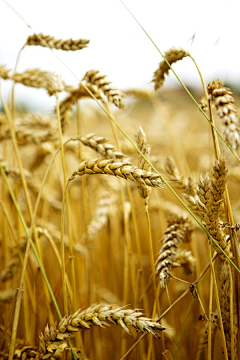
(81, 253)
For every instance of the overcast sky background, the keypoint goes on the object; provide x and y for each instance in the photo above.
(118, 47)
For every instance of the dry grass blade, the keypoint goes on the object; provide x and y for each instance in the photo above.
(95, 315)
(124, 170)
(51, 42)
(173, 55)
(179, 230)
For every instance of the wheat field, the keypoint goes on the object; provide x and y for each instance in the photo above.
(141, 262)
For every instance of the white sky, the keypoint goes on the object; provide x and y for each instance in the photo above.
(118, 47)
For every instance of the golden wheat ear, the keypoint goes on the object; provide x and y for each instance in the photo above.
(224, 102)
(178, 231)
(113, 95)
(145, 148)
(52, 340)
(59, 44)
(120, 169)
(173, 55)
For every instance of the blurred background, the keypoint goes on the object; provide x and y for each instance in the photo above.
(118, 47)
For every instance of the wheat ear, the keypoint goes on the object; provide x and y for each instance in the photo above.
(173, 55)
(51, 42)
(113, 95)
(225, 294)
(144, 147)
(120, 169)
(227, 111)
(100, 145)
(73, 97)
(185, 259)
(4, 73)
(95, 315)
(179, 230)
(187, 186)
(100, 216)
(210, 191)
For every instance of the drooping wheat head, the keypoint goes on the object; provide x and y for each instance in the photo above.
(173, 55)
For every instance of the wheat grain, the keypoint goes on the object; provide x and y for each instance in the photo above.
(173, 55)
(51, 42)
